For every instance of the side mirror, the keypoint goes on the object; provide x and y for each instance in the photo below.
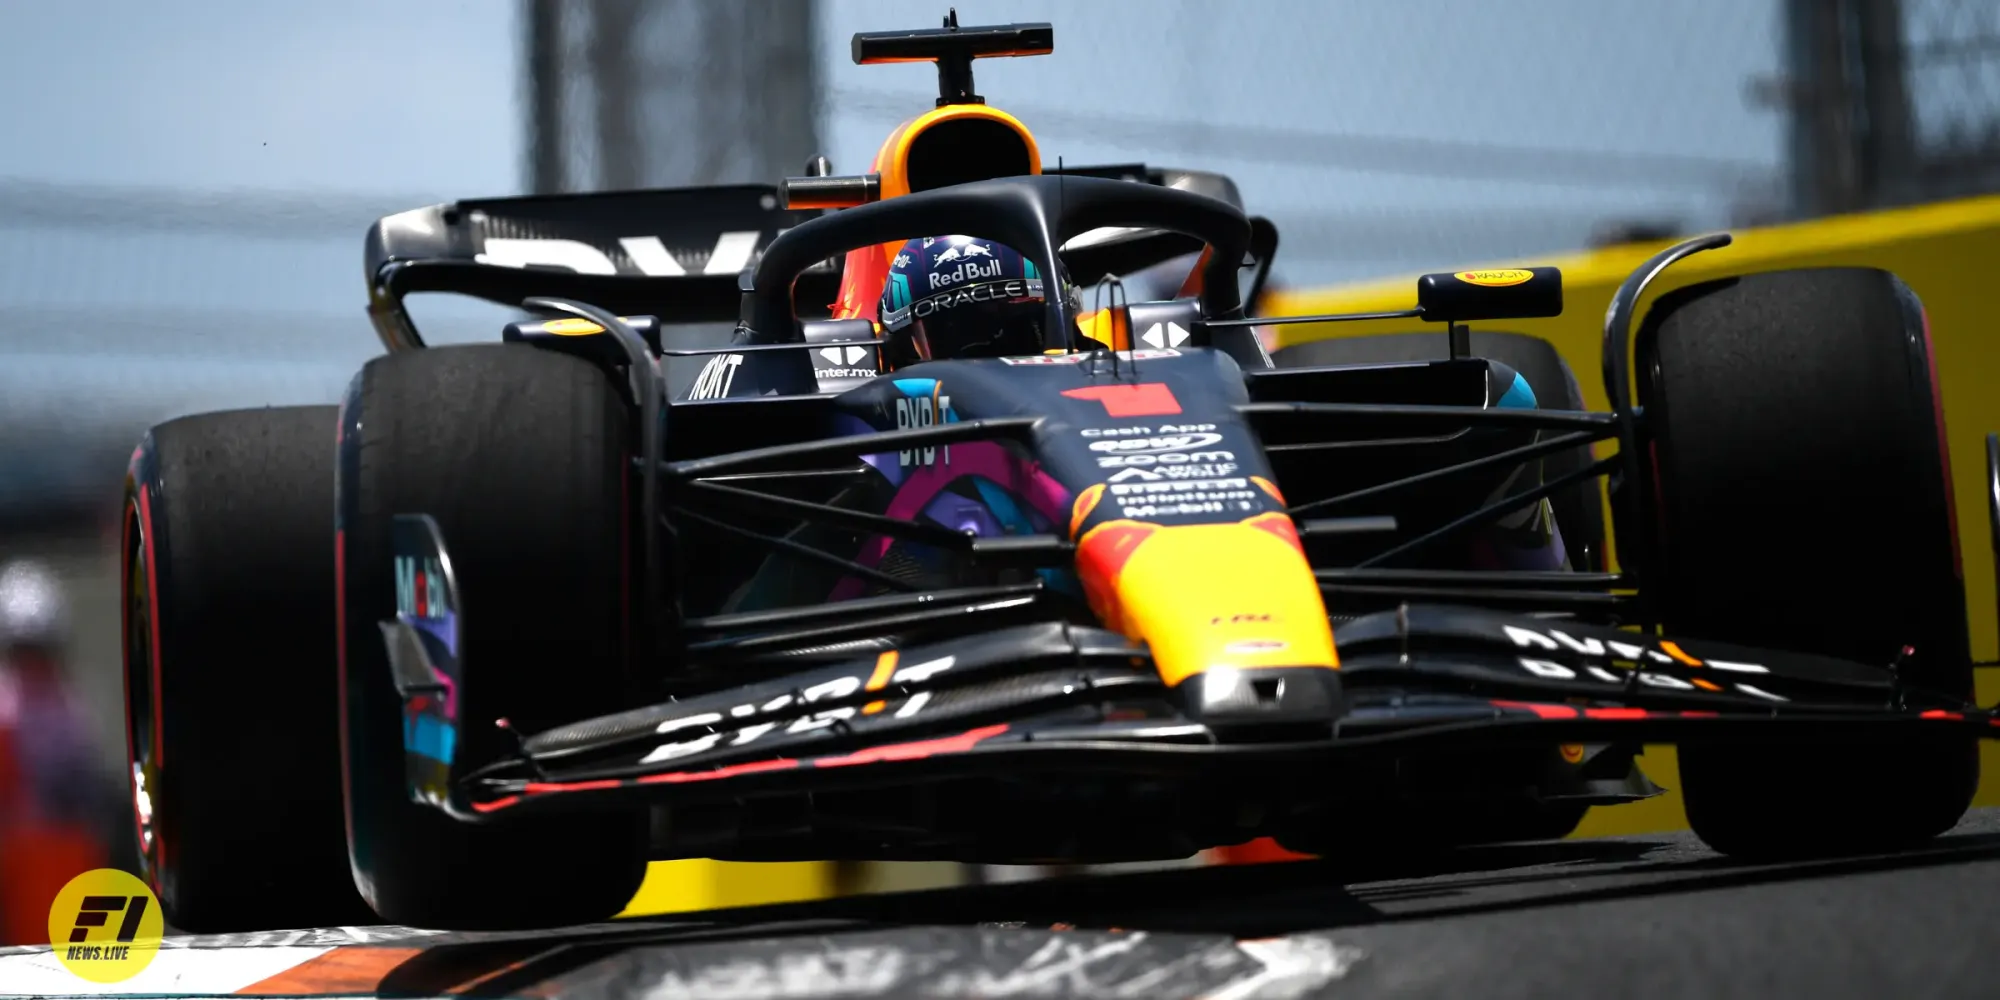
(1502, 293)
(581, 337)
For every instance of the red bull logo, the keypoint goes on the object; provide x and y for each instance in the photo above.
(971, 270)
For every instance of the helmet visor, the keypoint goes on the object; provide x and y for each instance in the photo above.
(986, 320)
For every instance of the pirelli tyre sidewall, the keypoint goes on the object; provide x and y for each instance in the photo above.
(1802, 500)
(226, 592)
(520, 456)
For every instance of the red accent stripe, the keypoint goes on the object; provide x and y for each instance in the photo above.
(754, 767)
(125, 634)
(1100, 557)
(146, 533)
(1616, 713)
(1191, 288)
(1143, 399)
(1939, 713)
(1546, 711)
(1105, 548)
(915, 751)
(1700, 715)
(895, 751)
(1279, 524)
(153, 612)
(539, 787)
(125, 675)
(1263, 850)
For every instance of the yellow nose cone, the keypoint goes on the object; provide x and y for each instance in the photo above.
(1208, 595)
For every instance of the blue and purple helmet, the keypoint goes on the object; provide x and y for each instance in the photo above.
(960, 297)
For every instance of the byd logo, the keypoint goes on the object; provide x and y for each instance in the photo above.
(733, 252)
(919, 412)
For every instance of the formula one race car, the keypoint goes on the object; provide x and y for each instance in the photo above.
(1130, 593)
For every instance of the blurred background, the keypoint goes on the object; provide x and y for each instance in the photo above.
(185, 187)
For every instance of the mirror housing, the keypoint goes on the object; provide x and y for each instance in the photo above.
(1491, 293)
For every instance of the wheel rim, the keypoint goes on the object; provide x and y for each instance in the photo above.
(142, 766)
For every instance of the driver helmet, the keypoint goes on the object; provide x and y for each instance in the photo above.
(961, 297)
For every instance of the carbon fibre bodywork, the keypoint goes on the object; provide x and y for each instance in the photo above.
(1144, 580)
(935, 717)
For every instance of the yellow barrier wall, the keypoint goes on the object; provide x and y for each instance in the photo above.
(1949, 253)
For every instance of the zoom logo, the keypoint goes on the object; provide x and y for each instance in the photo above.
(105, 926)
(1175, 458)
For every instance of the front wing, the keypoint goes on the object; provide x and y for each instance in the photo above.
(1057, 698)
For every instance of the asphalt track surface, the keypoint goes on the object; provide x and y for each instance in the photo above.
(1648, 916)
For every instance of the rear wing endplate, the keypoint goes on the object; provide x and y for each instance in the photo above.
(674, 253)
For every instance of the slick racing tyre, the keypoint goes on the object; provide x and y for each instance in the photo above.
(1579, 511)
(1803, 502)
(519, 455)
(227, 594)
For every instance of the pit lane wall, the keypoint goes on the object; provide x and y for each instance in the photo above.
(1948, 252)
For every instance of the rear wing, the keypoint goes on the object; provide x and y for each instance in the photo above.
(679, 254)
(674, 253)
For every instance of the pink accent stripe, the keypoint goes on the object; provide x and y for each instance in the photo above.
(979, 458)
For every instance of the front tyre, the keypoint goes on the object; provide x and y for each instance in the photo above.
(519, 455)
(228, 600)
(1804, 502)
